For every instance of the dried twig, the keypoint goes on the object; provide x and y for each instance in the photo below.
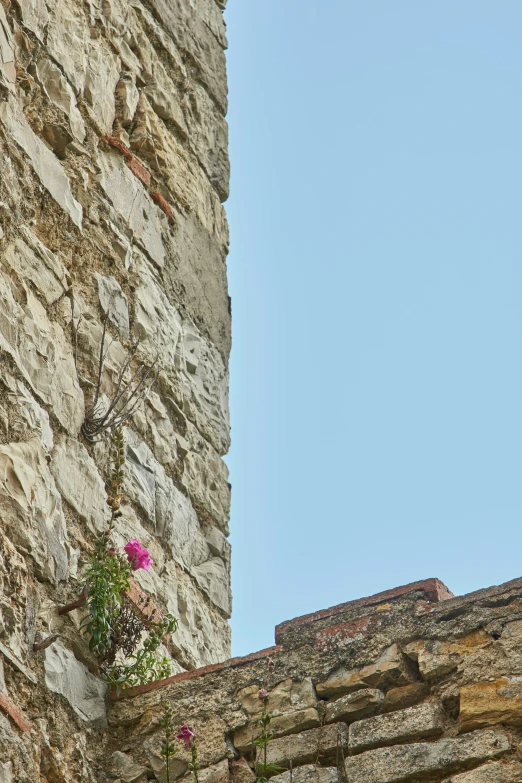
(102, 420)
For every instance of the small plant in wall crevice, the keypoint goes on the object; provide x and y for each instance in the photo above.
(125, 644)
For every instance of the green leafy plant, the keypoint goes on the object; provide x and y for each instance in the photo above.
(168, 749)
(263, 768)
(144, 666)
(108, 574)
(115, 630)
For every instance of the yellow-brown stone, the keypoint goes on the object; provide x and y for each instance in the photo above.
(489, 703)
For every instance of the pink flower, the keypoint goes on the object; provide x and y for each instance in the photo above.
(186, 734)
(262, 694)
(139, 557)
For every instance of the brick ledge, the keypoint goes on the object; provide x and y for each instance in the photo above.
(435, 590)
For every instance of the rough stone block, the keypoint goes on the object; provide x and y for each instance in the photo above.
(438, 659)
(355, 706)
(281, 725)
(421, 722)
(309, 774)
(492, 772)
(79, 482)
(409, 762)
(85, 693)
(406, 696)
(285, 696)
(392, 668)
(240, 772)
(488, 703)
(46, 165)
(303, 748)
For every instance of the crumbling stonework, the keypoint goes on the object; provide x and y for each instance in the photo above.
(113, 170)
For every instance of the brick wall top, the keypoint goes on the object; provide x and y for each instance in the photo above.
(434, 589)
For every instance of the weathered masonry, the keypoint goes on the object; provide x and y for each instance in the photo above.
(408, 685)
(113, 170)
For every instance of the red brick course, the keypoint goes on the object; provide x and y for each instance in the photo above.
(213, 667)
(139, 170)
(162, 203)
(345, 633)
(114, 141)
(434, 589)
(14, 713)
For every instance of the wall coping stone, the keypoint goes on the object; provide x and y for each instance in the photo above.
(231, 663)
(434, 589)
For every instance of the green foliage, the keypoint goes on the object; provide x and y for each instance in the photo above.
(143, 664)
(168, 748)
(263, 768)
(114, 633)
(194, 764)
(107, 577)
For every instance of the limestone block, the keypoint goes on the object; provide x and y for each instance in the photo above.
(127, 95)
(156, 322)
(31, 260)
(309, 773)
(13, 601)
(213, 578)
(124, 768)
(91, 67)
(147, 484)
(114, 302)
(492, 772)
(410, 762)
(438, 659)
(313, 745)
(166, 154)
(355, 706)
(203, 635)
(406, 696)
(7, 56)
(35, 16)
(32, 508)
(194, 372)
(209, 135)
(280, 726)
(217, 773)
(79, 482)
(45, 163)
(132, 203)
(488, 703)
(196, 274)
(41, 353)
(392, 668)
(29, 415)
(286, 696)
(101, 77)
(68, 40)
(60, 92)
(205, 475)
(65, 675)
(191, 34)
(240, 772)
(422, 722)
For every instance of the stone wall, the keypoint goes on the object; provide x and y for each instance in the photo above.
(113, 170)
(408, 685)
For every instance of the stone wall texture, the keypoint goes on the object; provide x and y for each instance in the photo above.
(113, 172)
(405, 686)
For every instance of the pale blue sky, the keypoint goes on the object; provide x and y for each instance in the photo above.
(376, 281)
